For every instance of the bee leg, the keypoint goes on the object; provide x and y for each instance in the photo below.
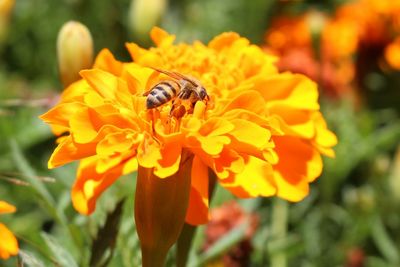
(153, 113)
(178, 111)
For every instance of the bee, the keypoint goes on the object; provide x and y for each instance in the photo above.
(180, 88)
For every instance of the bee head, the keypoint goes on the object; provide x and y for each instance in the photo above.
(202, 93)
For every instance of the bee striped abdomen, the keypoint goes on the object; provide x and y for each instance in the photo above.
(160, 94)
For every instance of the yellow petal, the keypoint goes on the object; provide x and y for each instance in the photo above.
(6, 207)
(83, 125)
(115, 143)
(8, 244)
(255, 180)
(250, 133)
(148, 152)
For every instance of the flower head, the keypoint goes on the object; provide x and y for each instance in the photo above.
(260, 133)
(8, 244)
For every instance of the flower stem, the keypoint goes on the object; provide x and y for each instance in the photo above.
(280, 210)
(184, 244)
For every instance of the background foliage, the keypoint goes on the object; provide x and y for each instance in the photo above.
(351, 215)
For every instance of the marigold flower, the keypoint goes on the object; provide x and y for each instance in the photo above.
(261, 133)
(8, 244)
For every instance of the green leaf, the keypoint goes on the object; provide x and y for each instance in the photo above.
(30, 175)
(106, 238)
(27, 259)
(61, 256)
(383, 241)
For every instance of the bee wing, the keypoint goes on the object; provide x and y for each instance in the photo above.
(186, 78)
(171, 74)
(177, 75)
(153, 80)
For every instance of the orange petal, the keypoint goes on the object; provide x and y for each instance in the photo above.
(8, 244)
(75, 91)
(324, 138)
(295, 122)
(89, 184)
(68, 151)
(108, 85)
(83, 125)
(161, 37)
(212, 138)
(6, 207)
(60, 114)
(223, 40)
(197, 212)
(299, 164)
(289, 90)
(106, 61)
(170, 159)
(269, 122)
(228, 162)
(249, 100)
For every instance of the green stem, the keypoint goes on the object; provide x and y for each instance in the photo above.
(186, 237)
(184, 244)
(280, 210)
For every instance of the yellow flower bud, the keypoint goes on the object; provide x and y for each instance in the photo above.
(316, 22)
(74, 51)
(5, 10)
(144, 14)
(6, 7)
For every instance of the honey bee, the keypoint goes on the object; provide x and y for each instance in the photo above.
(180, 88)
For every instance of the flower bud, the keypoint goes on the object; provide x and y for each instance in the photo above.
(74, 51)
(160, 209)
(6, 7)
(144, 14)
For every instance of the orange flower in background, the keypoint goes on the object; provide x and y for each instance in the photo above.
(392, 54)
(224, 219)
(260, 133)
(287, 32)
(297, 52)
(8, 244)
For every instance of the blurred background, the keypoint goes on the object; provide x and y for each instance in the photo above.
(352, 215)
